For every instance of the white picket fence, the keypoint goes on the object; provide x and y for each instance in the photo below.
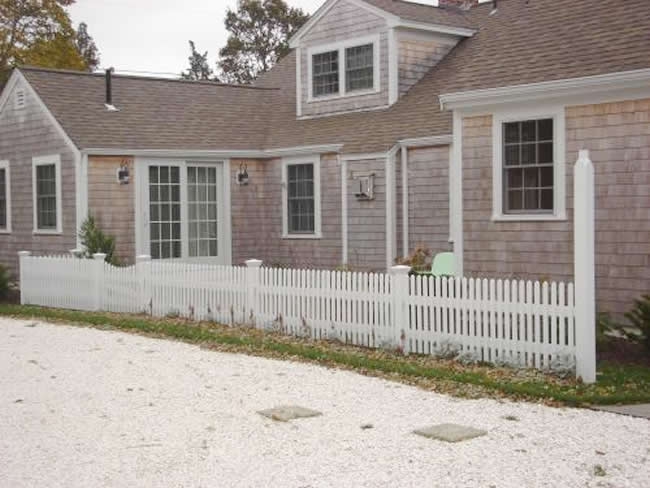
(514, 322)
(500, 321)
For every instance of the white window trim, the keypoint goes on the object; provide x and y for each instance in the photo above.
(315, 160)
(557, 113)
(5, 165)
(54, 159)
(341, 46)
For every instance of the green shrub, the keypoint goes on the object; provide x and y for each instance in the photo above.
(94, 241)
(604, 325)
(639, 317)
(4, 281)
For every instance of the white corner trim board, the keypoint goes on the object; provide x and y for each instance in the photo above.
(4, 165)
(52, 159)
(636, 83)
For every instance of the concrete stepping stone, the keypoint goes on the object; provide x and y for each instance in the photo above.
(450, 432)
(285, 413)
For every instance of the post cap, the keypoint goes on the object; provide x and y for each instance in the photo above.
(24, 253)
(254, 263)
(142, 257)
(400, 270)
(99, 256)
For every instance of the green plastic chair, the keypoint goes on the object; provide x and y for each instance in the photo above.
(443, 264)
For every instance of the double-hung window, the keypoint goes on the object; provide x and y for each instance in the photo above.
(5, 198)
(301, 198)
(344, 69)
(325, 68)
(529, 164)
(359, 70)
(46, 193)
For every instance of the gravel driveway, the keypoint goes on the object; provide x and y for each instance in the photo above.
(88, 408)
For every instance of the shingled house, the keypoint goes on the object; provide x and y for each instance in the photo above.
(389, 125)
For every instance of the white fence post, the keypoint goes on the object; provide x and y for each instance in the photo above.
(584, 271)
(99, 279)
(22, 262)
(400, 294)
(252, 286)
(143, 274)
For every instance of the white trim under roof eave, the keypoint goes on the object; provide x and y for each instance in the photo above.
(443, 140)
(425, 26)
(220, 154)
(326, 7)
(586, 85)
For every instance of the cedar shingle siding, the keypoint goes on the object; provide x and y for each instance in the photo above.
(24, 134)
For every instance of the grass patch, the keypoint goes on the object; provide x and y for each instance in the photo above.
(616, 383)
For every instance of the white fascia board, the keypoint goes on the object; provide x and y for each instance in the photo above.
(425, 26)
(219, 154)
(587, 85)
(427, 141)
(294, 42)
(8, 89)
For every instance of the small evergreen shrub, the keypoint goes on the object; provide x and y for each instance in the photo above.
(639, 317)
(95, 241)
(4, 282)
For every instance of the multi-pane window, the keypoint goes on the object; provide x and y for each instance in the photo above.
(300, 194)
(3, 198)
(165, 211)
(325, 72)
(46, 205)
(528, 166)
(202, 210)
(359, 70)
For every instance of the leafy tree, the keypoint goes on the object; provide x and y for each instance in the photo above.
(87, 47)
(40, 32)
(259, 33)
(199, 69)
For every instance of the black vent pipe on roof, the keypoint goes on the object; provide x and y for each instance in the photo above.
(109, 87)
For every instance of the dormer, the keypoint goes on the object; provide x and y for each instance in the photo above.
(358, 55)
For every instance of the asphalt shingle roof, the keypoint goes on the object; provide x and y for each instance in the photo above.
(526, 41)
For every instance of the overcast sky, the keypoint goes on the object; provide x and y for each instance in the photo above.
(152, 35)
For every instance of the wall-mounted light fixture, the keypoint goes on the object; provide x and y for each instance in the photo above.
(242, 175)
(364, 186)
(123, 173)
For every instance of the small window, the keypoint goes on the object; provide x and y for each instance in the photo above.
(19, 99)
(325, 68)
(46, 196)
(359, 70)
(300, 195)
(528, 167)
(5, 204)
(46, 184)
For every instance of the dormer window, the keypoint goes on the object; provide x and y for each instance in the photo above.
(326, 73)
(347, 68)
(359, 71)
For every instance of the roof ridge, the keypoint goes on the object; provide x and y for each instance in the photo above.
(148, 78)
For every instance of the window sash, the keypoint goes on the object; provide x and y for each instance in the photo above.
(46, 204)
(528, 172)
(359, 67)
(325, 73)
(301, 215)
